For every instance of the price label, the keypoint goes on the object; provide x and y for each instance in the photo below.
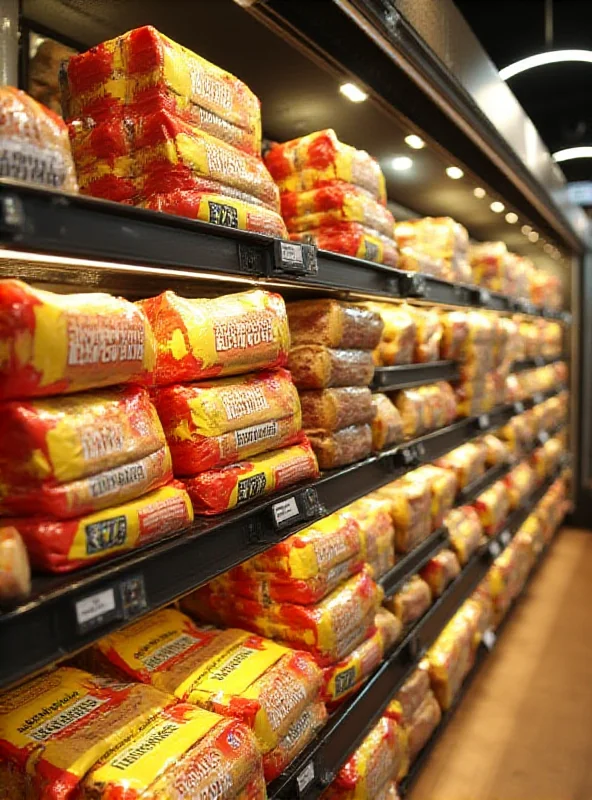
(306, 777)
(296, 257)
(537, 398)
(495, 549)
(518, 408)
(543, 437)
(539, 361)
(489, 639)
(505, 537)
(483, 421)
(285, 511)
(95, 608)
(484, 297)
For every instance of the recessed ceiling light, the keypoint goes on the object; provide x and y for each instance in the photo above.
(414, 141)
(526, 229)
(511, 217)
(353, 92)
(533, 236)
(497, 207)
(479, 192)
(454, 172)
(402, 163)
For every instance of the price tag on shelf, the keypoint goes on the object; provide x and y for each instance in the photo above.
(539, 361)
(495, 548)
(484, 422)
(306, 777)
(489, 639)
(296, 257)
(519, 408)
(484, 297)
(537, 398)
(505, 537)
(543, 437)
(95, 610)
(285, 511)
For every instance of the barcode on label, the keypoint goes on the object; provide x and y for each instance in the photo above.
(285, 511)
(306, 777)
(495, 549)
(489, 639)
(505, 537)
(95, 606)
(292, 253)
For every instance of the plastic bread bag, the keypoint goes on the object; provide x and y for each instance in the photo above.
(450, 658)
(488, 264)
(440, 238)
(455, 332)
(15, 572)
(410, 511)
(342, 447)
(113, 487)
(520, 482)
(231, 672)
(412, 694)
(334, 409)
(440, 401)
(443, 488)
(64, 545)
(57, 344)
(219, 490)
(388, 626)
(320, 159)
(412, 601)
(466, 532)
(387, 425)
(467, 462)
(328, 630)
(211, 424)
(397, 344)
(266, 587)
(517, 434)
(345, 677)
(339, 202)
(428, 334)
(49, 755)
(149, 71)
(412, 260)
(422, 725)
(372, 766)
(229, 335)
(34, 143)
(493, 506)
(334, 323)
(173, 750)
(414, 412)
(300, 734)
(319, 367)
(352, 239)
(57, 440)
(218, 209)
(441, 570)
(497, 451)
(377, 533)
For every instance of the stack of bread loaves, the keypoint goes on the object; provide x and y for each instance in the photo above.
(153, 124)
(334, 196)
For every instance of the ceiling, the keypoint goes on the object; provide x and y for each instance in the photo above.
(556, 97)
(298, 95)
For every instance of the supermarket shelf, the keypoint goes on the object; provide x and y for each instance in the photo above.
(412, 562)
(66, 613)
(150, 251)
(482, 653)
(316, 767)
(532, 363)
(477, 487)
(405, 376)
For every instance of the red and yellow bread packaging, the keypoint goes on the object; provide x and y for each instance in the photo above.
(201, 339)
(387, 425)
(68, 456)
(328, 630)
(219, 490)
(440, 570)
(411, 601)
(347, 675)
(296, 739)
(230, 672)
(64, 545)
(410, 502)
(214, 423)
(443, 488)
(73, 734)
(465, 530)
(410, 696)
(493, 506)
(320, 159)
(397, 343)
(467, 462)
(520, 482)
(15, 571)
(335, 409)
(339, 202)
(58, 344)
(146, 71)
(333, 323)
(34, 140)
(373, 766)
(377, 533)
(352, 239)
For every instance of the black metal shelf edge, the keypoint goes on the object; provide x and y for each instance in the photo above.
(539, 361)
(405, 376)
(315, 768)
(58, 224)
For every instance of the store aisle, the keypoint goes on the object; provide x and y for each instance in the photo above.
(524, 729)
